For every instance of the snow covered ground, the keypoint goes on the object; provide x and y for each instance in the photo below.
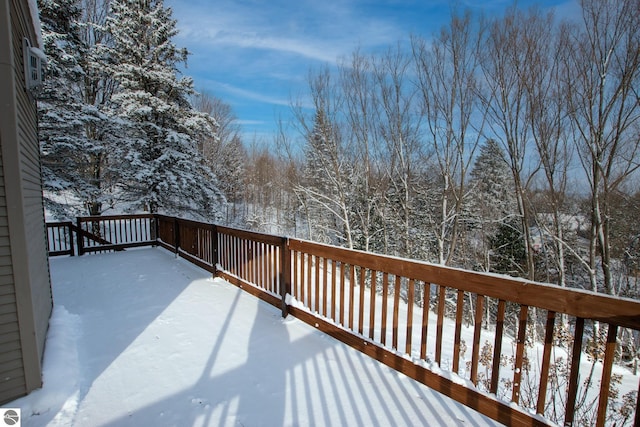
(143, 339)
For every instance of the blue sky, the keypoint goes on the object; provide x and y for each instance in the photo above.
(256, 55)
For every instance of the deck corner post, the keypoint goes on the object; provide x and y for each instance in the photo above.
(285, 275)
(176, 236)
(79, 237)
(155, 229)
(214, 247)
(71, 245)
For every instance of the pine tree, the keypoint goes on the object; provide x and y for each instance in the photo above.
(491, 201)
(327, 185)
(233, 156)
(507, 249)
(77, 130)
(492, 181)
(163, 167)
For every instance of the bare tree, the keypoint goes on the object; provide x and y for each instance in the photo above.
(447, 83)
(546, 107)
(509, 45)
(228, 129)
(399, 132)
(602, 80)
(360, 128)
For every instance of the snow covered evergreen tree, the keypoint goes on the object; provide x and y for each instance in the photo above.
(223, 152)
(163, 168)
(491, 201)
(232, 158)
(492, 181)
(77, 131)
(322, 192)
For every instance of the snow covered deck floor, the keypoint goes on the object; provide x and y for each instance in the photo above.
(139, 338)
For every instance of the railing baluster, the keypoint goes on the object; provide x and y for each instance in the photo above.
(278, 253)
(396, 304)
(295, 286)
(410, 304)
(309, 281)
(572, 389)
(363, 274)
(352, 280)
(385, 297)
(372, 304)
(477, 328)
(223, 252)
(546, 361)
(425, 319)
(325, 286)
(333, 291)
(54, 238)
(238, 255)
(262, 258)
(266, 278)
(457, 334)
(251, 265)
(497, 347)
(440, 323)
(233, 266)
(316, 300)
(517, 373)
(244, 257)
(237, 249)
(605, 382)
(343, 271)
(272, 266)
(301, 258)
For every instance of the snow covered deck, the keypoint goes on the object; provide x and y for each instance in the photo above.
(142, 338)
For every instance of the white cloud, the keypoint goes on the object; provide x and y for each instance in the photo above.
(225, 90)
(255, 96)
(321, 31)
(307, 48)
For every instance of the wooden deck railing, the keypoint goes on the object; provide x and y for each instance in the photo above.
(60, 238)
(410, 315)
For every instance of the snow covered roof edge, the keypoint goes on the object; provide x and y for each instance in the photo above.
(35, 19)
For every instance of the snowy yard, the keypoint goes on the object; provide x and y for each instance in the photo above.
(140, 338)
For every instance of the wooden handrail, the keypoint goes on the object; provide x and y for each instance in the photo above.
(574, 302)
(330, 284)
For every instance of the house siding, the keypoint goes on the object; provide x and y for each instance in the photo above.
(12, 381)
(33, 206)
(25, 291)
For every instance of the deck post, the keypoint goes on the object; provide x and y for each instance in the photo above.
(69, 227)
(214, 249)
(155, 228)
(79, 237)
(176, 235)
(285, 275)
